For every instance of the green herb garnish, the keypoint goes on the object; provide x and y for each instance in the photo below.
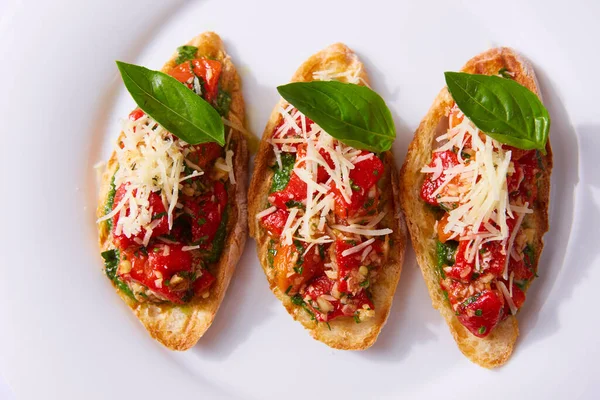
(186, 53)
(178, 109)
(502, 108)
(223, 102)
(353, 114)
(281, 177)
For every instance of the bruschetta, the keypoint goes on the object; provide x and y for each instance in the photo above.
(326, 218)
(172, 217)
(477, 210)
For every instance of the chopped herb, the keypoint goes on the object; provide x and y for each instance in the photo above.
(529, 255)
(282, 175)
(354, 186)
(222, 103)
(465, 155)
(271, 253)
(186, 53)
(288, 289)
(369, 203)
(522, 284)
(445, 255)
(538, 156)
(365, 283)
(294, 203)
(110, 200)
(471, 299)
(482, 330)
(328, 326)
(503, 72)
(156, 249)
(159, 215)
(375, 172)
(218, 241)
(200, 241)
(322, 251)
(298, 301)
(445, 293)
(298, 270)
(201, 221)
(111, 264)
(351, 242)
(479, 312)
(356, 318)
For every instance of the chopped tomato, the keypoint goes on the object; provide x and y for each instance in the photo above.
(204, 154)
(208, 70)
(275, 222)
(347, 265)
(295, 191)
(322, 286)
(463, 269)
(136, 114)
(204, 282)
(522, 272)
(447, 159)
(322, 174)
(155, 268)
(480, 313)
(363, 177)
(293, 268)
(158, 213)
(206, 214)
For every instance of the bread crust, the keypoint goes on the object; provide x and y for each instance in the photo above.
(496, 348)
(345, 333)
(178, 327)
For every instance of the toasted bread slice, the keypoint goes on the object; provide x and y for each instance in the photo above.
(179, 327)
(345, 333)
(495, 349)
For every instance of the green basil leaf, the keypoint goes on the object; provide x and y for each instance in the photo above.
(186, 53)
(178, 109)
(502, 108)
(353, 114)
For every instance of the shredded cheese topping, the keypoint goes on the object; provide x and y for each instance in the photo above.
(309, 223)
(476, 190)
(150, 160)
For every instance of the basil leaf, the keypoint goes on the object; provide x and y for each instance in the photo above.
(178, 109)
(353, 114)
(502, 108)
(186, 53)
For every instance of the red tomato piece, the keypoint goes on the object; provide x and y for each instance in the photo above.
(448, 159)
(136, 114)
(155, 269)
(346, 264)
(364, 176)
(275, 222)
(294, 191)
(481, 313)
(207, 212)
(462, 270)
(158, 212)
(204, 154)
(208, 70)
(204, 282)
(323, 286)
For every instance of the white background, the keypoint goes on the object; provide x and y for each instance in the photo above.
(64, 334)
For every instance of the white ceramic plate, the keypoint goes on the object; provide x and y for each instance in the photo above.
(65, 334)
